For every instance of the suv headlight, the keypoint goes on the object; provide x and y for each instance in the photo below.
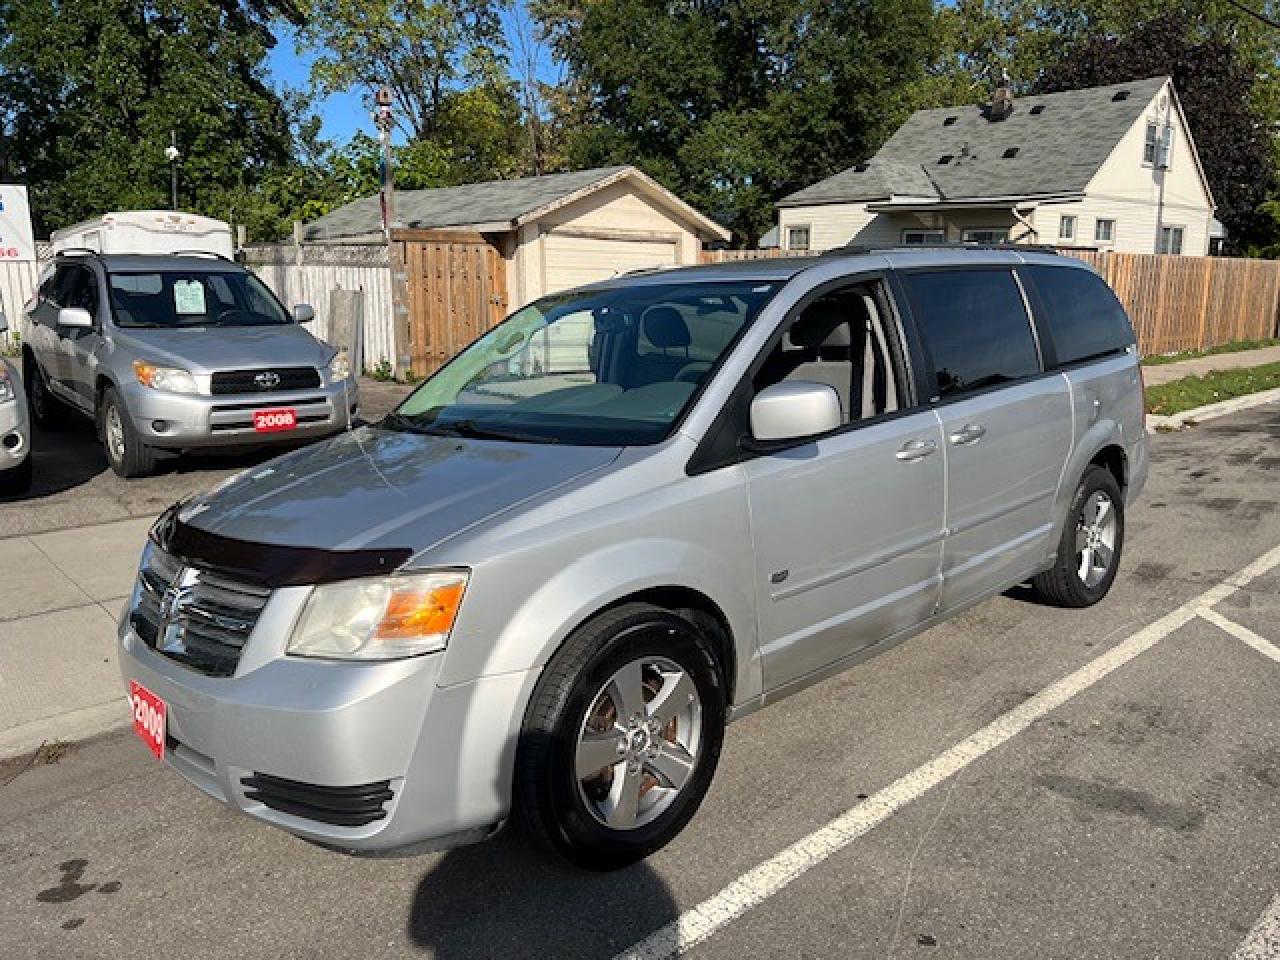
(381, 618)
(171, 379)
(6, 386)
(340, 366)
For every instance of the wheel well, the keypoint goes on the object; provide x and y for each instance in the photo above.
(99, 388)
(702, 612)
(1114, 460)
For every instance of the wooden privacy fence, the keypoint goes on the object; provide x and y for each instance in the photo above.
(1176, 303)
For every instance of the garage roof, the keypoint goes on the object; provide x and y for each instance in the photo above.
(494, 206)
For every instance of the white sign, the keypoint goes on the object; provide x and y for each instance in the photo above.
(17, 240)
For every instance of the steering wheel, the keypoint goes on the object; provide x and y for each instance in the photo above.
(692, 372)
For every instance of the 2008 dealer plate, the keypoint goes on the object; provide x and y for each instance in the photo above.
(149, 717)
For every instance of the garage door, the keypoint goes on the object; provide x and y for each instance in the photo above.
(573, 261)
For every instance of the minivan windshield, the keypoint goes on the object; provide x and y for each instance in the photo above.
(603, 366)
(194, 298)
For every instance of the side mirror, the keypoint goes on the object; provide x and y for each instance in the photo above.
(794, 410)
(74, 318)
(303, 313)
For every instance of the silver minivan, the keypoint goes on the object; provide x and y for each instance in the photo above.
(627, 515)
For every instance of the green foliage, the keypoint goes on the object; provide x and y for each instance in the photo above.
(1192, 392)
(381, 371)
(1238, 346)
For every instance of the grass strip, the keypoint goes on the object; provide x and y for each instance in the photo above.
(1191, 392)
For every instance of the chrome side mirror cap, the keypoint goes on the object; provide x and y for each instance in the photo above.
(303, 313)
(794, 410)
(74, 318)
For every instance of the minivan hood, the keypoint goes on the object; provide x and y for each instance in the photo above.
(373, 488)
(209, 349)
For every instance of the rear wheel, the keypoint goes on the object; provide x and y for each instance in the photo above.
(1089, 551)
(126, 453)
(621, 738)
(47, 411)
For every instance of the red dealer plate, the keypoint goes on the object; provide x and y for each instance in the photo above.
(273, 421)
(149, 713)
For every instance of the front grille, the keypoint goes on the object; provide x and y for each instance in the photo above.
(340, 806)
(265, 380)
(198, 618)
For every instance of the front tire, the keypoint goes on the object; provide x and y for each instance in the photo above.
(1089, 551)
(128, 456)
(621, 737)
(47, 411)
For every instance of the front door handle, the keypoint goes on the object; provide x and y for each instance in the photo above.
(916, 450)
(969, 433)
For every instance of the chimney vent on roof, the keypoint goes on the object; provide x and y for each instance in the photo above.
(862, 168)
(945, 159)
(1037, 109)
(1010, 153)
(1119, 96)
(1002, 100)
(948, 121)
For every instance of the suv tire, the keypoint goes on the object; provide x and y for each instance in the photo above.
(1089, 551)
(128, 456)
(47, 411)
(640, 687)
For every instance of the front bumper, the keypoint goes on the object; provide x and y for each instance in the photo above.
(15, 434)
(445, 753)
(182, 421)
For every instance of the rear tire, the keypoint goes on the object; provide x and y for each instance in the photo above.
(128, 456)
(18, 479)
(1092, 540)
(47, 411)
(637, 691)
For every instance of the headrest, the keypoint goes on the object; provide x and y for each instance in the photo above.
(664, 328)
(824, 323)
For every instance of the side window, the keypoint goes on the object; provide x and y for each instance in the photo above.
(841, 340)
(1084, 317)
(78, 288)
(974, 326)
(49, 286)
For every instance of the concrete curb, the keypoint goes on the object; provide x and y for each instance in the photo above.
(67, 727)
(1189, 418)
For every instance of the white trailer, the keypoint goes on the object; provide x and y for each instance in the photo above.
(148, 231)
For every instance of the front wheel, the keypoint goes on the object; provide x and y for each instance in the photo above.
(621, 738)
(47, 411)
(128, 456)
(1089, 551)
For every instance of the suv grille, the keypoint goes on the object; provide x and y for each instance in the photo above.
(341, 806)
(197, 618)
(264, 380)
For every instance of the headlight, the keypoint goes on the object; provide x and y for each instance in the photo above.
(382, 618)
(6, 387)
(164, 378)
(340, 366)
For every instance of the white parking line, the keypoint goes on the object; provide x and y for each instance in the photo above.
(1263, 941)
(762, 882)
(1243, 633)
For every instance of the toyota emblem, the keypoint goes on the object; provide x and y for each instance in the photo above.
(267, 380)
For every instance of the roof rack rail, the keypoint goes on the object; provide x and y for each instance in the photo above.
(200, 253)
(856, 248)
(76, 252)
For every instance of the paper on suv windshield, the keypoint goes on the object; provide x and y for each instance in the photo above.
(188, 298)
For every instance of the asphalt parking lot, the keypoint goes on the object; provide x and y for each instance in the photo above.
(1022, 782)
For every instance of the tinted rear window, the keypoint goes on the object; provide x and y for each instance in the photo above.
(974, 326)
(1084, 317)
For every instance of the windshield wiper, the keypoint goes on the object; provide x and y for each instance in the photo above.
(469, 428)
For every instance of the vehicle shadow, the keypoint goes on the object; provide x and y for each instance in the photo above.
(507, 898)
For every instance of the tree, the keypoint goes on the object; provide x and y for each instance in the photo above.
(89, 92)
(733, 104)
(1216, 86)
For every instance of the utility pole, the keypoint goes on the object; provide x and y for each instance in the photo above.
(173, 154)
(397, 255)
(384, 122)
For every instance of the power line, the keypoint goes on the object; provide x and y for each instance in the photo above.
(1269, 21)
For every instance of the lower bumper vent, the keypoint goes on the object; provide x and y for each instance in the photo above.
(339, 806)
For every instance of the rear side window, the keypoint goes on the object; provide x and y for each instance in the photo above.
(1084, 317)
(974, 326)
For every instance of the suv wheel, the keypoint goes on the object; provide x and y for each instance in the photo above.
(621, 738)
(128, 456)
(1089, 552)
(46, 410)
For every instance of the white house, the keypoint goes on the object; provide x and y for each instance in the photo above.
(1113, 168)
(554, 232)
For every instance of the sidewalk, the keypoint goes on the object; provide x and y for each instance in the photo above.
(1168, 372)
(60, 595)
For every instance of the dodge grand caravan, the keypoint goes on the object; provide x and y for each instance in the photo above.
(625, 516)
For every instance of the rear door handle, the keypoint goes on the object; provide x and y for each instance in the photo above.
(969, 433)
(916, 450)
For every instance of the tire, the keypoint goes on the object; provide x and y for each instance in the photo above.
(47, 411)
(18, 479)
(1066, 583)
(590, 821)
(128, 456)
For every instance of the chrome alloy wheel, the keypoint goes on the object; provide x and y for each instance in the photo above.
(638, 744)
(114, 428)
(1095, 538)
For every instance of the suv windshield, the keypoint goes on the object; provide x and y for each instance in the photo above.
(194, 298)
(601, 367)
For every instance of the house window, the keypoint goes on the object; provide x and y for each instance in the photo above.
(1104, 231)
(1150, 144)
(797, 238)
(986, 235)
(913, 238)
(1165, 153)
(1066, 227)
(1170, 240)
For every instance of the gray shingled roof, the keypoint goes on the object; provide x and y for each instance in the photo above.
(1058, 150)
(497, 201)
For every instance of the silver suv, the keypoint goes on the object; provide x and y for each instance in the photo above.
(170, 353)
(627, 515)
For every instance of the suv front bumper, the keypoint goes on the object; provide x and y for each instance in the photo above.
(15, 432)
(181, 421)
